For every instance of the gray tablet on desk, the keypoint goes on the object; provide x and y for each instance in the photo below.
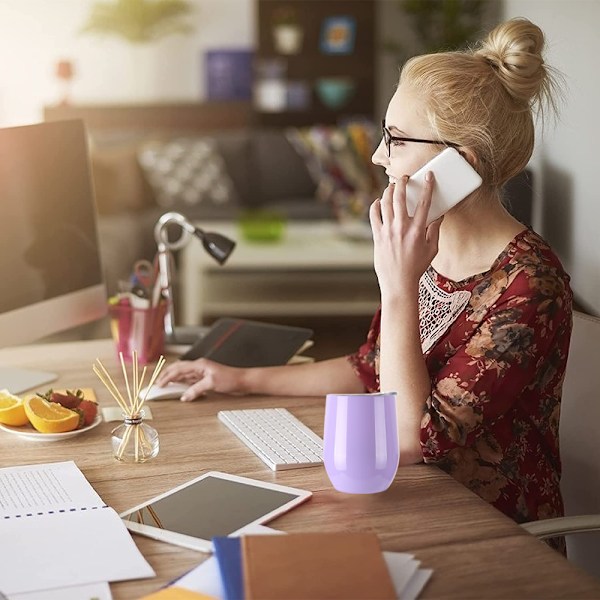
(214, 504)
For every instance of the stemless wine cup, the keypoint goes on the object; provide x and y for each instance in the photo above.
(361, 451)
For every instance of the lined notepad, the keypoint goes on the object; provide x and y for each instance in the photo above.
(56, 531)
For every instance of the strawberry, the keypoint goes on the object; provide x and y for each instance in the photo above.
(88, 411)
(68, 400)
(74, 400)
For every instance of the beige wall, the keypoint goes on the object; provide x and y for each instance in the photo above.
(34, 34)
(567, 159)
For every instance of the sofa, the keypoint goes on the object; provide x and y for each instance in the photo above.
(138, 179)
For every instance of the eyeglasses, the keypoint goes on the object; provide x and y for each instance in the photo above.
(388, 138)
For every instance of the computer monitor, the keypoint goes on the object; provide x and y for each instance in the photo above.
(51, 277)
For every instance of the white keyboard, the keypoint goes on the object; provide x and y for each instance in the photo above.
(276, 436)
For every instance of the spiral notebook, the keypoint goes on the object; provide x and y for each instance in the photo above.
(51, 517)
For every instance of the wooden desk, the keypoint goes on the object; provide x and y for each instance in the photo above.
(474, 550)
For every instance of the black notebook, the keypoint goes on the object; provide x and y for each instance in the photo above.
(243, 343)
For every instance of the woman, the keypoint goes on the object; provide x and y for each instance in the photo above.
(475, 318)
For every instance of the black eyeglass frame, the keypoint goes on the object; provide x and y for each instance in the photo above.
(388, 138)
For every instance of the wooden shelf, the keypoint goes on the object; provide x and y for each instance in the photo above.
(311, 63)
(185, 116)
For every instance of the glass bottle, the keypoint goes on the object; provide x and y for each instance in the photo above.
(133, 440)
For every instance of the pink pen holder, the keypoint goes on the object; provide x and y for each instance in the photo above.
(139, 330)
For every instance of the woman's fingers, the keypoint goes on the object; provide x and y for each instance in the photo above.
(387, 210)
(392, 205)
(182, 370)
(399, 198)
(375, 215)
(196, 390)
(424, 204)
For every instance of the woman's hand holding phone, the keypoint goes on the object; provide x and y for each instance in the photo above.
(407, 218)
(404, 245)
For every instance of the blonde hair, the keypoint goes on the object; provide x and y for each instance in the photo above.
(485, 98)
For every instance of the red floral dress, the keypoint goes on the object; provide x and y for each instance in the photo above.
(491, 420)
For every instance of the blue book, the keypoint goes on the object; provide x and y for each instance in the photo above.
(228, 552)
(229, 74)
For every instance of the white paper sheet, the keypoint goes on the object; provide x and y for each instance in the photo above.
(50, 516)
(401, 567)
(90, 591)
(416, 584)
(42, 488)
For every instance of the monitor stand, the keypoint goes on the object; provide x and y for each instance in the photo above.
(17, 380)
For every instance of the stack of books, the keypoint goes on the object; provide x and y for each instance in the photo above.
(305, 566)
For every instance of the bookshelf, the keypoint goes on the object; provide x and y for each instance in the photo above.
(316, 59)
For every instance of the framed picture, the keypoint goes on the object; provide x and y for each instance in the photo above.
(338, 34)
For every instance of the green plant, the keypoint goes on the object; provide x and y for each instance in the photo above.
(440, 24)
(139, 21)
(285, 15)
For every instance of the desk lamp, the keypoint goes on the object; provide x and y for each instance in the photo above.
(217, 245)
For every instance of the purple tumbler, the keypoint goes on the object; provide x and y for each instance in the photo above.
(361, 451)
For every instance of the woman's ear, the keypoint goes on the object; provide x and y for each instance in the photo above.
(469, 156)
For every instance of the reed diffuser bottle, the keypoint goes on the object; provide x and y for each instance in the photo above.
(134, 440)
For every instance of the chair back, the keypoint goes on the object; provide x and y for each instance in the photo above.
(580, 438)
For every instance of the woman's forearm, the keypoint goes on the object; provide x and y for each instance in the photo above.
(309, 379)
(402, 369)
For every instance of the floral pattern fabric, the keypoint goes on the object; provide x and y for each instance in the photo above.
(491, 420)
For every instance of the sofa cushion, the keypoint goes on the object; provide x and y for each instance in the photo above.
(187, 174)
(235, 148)
(119, 182)
(339, 159)
(282, 173)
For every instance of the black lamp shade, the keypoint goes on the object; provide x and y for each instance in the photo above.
(217, 245)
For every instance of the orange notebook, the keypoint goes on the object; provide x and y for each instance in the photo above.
(311, 566)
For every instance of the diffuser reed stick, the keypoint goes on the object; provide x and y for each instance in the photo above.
(137, 441)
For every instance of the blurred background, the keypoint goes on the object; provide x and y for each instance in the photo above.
(303, 70)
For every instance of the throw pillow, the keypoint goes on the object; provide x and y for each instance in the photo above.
(119, 182)
(187, 173)
(339, 160)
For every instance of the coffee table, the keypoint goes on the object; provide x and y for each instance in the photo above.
(314, 270)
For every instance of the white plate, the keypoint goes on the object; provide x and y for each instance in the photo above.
(29, 433)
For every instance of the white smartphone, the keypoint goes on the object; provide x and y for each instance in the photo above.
(455, 179)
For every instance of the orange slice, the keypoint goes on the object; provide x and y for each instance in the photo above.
(12, 410)
(50, 417)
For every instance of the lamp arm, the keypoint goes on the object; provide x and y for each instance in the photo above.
(160, 230)
(165, 275)
(165, 246)
(217, 245)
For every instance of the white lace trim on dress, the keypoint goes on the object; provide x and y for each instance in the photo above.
(437, 310)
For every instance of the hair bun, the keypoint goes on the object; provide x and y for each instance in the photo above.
(514, 51)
